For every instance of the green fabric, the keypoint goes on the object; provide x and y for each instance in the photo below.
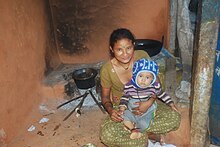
(109, 78)
(113, 134)
(165, 120)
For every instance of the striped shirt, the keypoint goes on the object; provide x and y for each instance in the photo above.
(143, 94)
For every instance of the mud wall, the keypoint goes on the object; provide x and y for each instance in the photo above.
(28, 48)
(25, 39)
(83, 28)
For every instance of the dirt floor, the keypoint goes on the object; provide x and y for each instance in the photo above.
(78, 131)
(74, 132)
(49, 130)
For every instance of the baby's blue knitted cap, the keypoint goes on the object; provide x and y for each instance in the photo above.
(142, 65)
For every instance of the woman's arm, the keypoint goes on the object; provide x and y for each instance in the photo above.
(106, 102)
(105, 98)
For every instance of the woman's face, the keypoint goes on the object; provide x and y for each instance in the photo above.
(123, 50)
(144, 79)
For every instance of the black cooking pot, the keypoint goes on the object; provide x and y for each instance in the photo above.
(84, 78)
(152, 47)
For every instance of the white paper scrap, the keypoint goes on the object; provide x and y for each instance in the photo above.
(31, 128)
(43, 120)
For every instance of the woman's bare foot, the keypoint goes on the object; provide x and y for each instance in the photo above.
(162, 139)
(157, 138)
(154, 137)
(135, 134)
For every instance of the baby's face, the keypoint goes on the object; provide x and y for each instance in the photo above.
(144, 79)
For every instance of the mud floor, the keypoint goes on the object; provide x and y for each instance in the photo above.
(78, 131)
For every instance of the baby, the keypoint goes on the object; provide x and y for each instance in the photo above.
(140, 88)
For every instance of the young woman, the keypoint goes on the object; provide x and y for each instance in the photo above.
(114, 75)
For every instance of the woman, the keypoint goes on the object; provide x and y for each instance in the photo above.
(114, 75)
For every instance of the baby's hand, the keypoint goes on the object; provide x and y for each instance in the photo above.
(153, 96)
(172, 105)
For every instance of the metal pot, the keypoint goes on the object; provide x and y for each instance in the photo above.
(84, 78)
(152, 47)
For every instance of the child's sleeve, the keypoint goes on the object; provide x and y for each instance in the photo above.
(124, 101)
(125, 97)
(162, 95)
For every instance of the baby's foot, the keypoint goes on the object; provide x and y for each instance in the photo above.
(135, 134)
(127, 129)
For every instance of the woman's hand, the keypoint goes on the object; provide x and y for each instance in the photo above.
(143, 106)
(116, 115)
(106, 102)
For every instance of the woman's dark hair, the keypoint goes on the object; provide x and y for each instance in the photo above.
(118, 34)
